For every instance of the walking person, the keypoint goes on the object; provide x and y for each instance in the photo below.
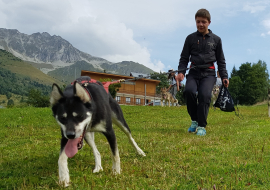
(173, 87)
(202, 48)
(218, 81)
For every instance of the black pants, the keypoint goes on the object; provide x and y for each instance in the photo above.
(198, 104)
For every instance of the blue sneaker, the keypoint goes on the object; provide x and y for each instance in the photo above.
(193, 127)
(201, 131)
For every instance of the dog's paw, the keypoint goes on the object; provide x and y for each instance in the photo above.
(64, 183)
(97, 169)
(116, 171)
(141, 153)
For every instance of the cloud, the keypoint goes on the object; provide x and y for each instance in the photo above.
(266, 23)
(111, 29)
(97, 33)
(254, 7)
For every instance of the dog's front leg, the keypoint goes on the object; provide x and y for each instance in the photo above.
(63, 169)
(90, 139)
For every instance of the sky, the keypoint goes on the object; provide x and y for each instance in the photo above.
(150, 32)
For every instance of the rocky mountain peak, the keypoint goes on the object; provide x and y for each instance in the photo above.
(40, 48)
(49, 52)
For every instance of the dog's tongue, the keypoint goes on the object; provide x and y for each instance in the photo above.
(71, 147)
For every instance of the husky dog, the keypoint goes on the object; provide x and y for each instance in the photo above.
(165, 95)
(81, 111)
(215, 93)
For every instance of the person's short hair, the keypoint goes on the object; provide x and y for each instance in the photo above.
(203, 13)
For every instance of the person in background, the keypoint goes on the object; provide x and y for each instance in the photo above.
(218, 81)
(202, 48)
(173, 87)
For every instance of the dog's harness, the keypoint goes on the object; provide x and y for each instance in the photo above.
(85, 80)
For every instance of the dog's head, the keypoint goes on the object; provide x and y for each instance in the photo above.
(215, 90)
(163, 93)
(73, 110)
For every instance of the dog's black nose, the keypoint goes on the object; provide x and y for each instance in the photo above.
(70, 134)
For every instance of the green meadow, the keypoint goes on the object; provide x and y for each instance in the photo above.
(235, 153)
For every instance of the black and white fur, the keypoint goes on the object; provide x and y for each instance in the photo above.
(76, 111)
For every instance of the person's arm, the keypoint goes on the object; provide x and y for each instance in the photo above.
(177, 82)
(169, 87)
(183, 61)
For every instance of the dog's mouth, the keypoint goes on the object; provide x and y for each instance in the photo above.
(80, 143)
(73, 145)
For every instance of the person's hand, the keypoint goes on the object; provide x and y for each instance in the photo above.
(180, 77)
(225, 82)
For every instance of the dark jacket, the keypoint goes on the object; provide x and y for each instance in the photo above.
(201, 50)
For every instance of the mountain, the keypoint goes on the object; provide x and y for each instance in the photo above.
(50, 53)
(44, 48)
(69, 73)
(19, 77)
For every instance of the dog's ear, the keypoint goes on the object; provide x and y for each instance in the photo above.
(81, 93)
(56, 94)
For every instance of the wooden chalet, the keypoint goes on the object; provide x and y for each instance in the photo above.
(132, 92)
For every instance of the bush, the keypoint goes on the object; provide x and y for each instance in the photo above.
(113, 88)
(36, 99)
(10, 103)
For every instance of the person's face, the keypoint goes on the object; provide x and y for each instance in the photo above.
(202, 24)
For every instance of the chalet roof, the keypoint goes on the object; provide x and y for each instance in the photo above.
(108, 75)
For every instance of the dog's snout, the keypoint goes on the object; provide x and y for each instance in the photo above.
(70, 134)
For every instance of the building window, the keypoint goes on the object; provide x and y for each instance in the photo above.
(117, 98)
(138, 101)
(127, 99)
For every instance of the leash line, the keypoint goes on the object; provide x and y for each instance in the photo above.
(205, 66)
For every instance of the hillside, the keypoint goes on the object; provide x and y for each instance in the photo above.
(22, 68)
(17, 78)
(67, 74)
(125, 68)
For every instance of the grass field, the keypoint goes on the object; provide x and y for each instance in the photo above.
(235, 153)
